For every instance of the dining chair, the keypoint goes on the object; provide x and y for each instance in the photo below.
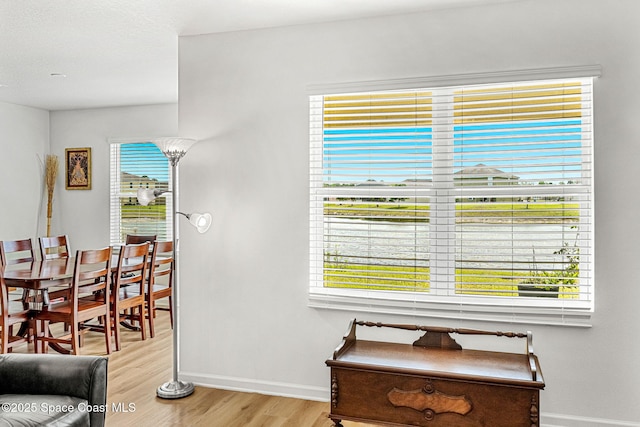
(128, 302)
(54, 247)
(89, 298)
(160, 281)
(134, 239)
(11, 313)
(16, 251)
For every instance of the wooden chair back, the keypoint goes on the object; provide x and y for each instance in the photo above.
(54, 247)
(130, 279)
(11, 313)
(4, 297)
(132, 266)
(133, 239)
(16, 251)
(161, 262)
(161, 267)
(92, 273)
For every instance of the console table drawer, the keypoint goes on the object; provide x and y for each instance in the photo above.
(369, 396)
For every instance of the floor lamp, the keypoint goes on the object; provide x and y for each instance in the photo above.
(174, 149)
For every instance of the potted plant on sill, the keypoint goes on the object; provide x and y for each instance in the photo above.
(548, 284)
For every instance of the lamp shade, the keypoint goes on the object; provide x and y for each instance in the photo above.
(173, 147)
(148, 195)
(202, 222)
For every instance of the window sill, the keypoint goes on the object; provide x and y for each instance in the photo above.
(419, 306)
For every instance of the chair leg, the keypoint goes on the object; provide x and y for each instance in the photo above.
(30, 330)
(107, 332)
(75, 339)
(4, 344)
(36, 336)
(151, 313)
(141, 321)
(114, 313)
(42, 345)
(116, 329)
(6, 333)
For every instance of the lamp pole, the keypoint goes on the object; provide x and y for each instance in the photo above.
(174, 149)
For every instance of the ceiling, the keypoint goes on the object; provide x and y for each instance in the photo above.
(70, 54)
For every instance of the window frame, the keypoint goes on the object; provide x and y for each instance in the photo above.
(512, 310)
(116, 192)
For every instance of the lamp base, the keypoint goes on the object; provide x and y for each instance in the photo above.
(175, 390)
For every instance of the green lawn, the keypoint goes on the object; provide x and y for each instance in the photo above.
(523, 211)
(339, 275)
(416, 279)
(136, 211)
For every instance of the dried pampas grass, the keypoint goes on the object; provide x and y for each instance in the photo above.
(50, 175)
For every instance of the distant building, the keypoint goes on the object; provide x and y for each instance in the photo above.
(417, 182)
(413, 190)
(481, 174)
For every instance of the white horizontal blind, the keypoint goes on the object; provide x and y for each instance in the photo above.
(455, 192)
(523, 180)
(135, 165)
(375, 160)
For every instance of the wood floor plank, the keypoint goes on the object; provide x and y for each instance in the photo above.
(136, 371)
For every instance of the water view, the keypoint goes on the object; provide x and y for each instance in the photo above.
(488, 245)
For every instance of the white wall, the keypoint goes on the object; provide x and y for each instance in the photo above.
(84, 214)
(245, 320)
(24, 138)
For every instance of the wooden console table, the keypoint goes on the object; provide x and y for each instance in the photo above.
(434, 382)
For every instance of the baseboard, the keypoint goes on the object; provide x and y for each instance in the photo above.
(257, 386)
(322, 394)
(560, 420)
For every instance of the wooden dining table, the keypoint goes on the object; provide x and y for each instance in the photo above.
(40, 276)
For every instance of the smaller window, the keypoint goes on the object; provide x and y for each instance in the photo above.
(138, 165)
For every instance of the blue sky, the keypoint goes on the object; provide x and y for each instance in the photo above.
(155, 165)
(532, 150)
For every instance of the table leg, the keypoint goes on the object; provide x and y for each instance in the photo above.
(56, 347)
(24, 330)
(52, 345)
(129, 326)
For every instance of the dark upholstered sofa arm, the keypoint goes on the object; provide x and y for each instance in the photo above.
(84, 377)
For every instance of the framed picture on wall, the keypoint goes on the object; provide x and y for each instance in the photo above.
(78, 168)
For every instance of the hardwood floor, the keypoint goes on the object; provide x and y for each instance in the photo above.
(140, 367)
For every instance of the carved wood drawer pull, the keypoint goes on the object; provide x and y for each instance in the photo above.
(429, 401)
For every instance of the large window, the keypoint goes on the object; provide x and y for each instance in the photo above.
(135, 165)
(464, 199)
